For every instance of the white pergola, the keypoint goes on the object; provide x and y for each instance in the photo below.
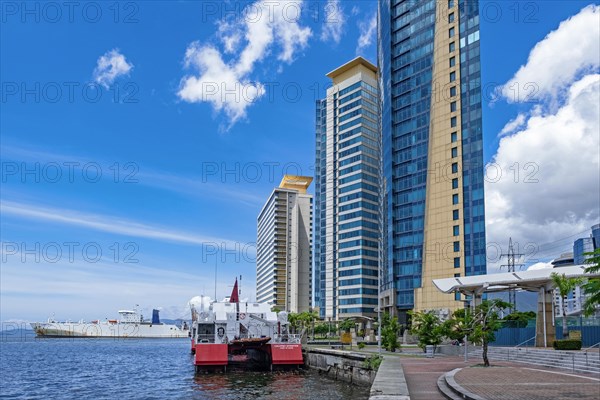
(533, 281)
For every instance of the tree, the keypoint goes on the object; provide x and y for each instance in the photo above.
(592, 287)
(519, 319)
(564, 286)
(389, 334)
(346, 325)
(428, 327)
(479, 325)
(485, 322)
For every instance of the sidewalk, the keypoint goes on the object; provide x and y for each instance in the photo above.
(501, 381)
(507, 381)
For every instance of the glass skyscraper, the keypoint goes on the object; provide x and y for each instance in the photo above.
(347, 187)
(430, 89)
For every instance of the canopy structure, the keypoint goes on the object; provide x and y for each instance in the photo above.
(525, 280)
(535, 281)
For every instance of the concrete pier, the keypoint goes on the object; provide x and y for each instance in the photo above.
(390, 383)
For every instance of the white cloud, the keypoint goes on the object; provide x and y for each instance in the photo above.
(110, 66)
(228, 84)
(544, 182)
(368, 33)
(513, 125)
(539, 265)
(562, 57)
(333, 22)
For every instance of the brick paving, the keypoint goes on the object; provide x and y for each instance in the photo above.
(501, 381)
(508, 381)
(422, 373)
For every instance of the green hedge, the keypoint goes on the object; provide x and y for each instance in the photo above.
(567, 344)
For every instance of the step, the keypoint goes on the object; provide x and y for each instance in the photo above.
(560, 364)
(446, 390)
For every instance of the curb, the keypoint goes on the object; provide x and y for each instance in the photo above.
(456, 388)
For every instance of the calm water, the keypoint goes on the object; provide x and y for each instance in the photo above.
(142, 369)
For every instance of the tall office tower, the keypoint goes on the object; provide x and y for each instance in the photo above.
(347, 187)
(580, 247)
(284, 246)
(430, 85)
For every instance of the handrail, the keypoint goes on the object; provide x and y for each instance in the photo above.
(585, 351)
(519, 345)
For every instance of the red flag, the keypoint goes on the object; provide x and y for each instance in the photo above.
(234, 298)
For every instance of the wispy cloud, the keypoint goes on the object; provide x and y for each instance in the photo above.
(513, 125)
(107, 223)
(334, 22)
(228, 85)
(368, 33)
(110, 66)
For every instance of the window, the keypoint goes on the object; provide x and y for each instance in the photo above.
(454, 168)
(453, 91)
(453, 106)
(450, 3)
(455, 230)
(452, 62)
(454, 152)
(452, 76)
(451, 32)
(455, 215)
(456, 246)
(453, 137)
(455, 183)
(456, 262)
(451, 47)
(454, 199)
(453, 122)
(457, 295)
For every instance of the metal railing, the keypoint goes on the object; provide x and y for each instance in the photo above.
(586, 350)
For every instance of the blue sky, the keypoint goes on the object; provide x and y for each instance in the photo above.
(150, 169)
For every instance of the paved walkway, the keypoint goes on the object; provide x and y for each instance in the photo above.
(502, 381)
(527, 383)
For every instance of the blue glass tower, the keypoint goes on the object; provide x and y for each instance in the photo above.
(430, 88)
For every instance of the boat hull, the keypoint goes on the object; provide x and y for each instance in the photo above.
(108, 330)
(265, 355)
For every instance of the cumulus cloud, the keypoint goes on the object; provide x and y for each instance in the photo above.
(228, 85)
(562, 57)
(543, 184)
(333, 22)
(539, 265)
(368, 33)
(110, 66)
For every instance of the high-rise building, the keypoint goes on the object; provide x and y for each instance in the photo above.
(580, 247)
(347, 188)
(430, 85)
(284, 246)
(596, 236)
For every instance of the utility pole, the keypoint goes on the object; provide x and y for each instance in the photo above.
(511, 256)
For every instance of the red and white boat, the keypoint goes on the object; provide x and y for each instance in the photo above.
(239, 333)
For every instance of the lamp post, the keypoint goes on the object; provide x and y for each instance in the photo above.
(466, 336)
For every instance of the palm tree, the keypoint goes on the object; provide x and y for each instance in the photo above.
(592, 287)
(564, 286)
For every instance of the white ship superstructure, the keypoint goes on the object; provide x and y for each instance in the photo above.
(130, 325)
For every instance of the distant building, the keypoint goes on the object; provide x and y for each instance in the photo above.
(596, 235)
(581, 246)
(284, 246)
(347, 193)
(565, 260)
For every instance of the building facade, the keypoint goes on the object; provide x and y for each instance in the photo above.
(430, 85)
(347, 193)
(581, 246)
(284, 246)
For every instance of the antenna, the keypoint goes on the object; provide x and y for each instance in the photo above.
(216, 277)
(512, 296)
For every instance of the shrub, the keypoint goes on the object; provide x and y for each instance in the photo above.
(372, 362)
(361, 345)
(567, 344)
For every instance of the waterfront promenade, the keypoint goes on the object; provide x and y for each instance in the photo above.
(408, 375)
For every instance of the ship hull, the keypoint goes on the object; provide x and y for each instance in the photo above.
(210, 356)
(107, 330)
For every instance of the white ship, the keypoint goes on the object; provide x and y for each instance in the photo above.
(130, 325)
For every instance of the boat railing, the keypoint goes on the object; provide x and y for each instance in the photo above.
(286, 338)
